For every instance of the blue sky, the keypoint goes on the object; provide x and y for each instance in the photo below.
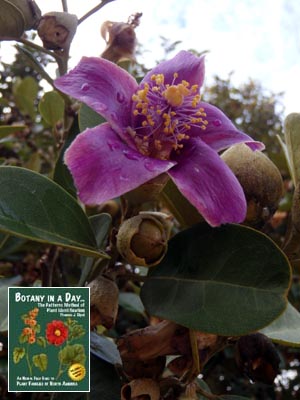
(254, 38)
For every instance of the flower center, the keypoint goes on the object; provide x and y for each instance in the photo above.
(57, 332)
(163, 115)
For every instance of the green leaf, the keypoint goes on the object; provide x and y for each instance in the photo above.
(285, 329)
(88, 118)
(292, 139)
(25, 92)
(62, 175)
(105, 380)
(41, 341)
(104, 349)
(181, 208)
(131, 302)
(34, 207)
(40, 361)
(100, 224)
(72, 354)
(6, 130)
(18, 354)
(52, 107)
(230, 280)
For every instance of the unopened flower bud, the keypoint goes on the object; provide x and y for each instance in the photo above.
(260, 179)
(142, 239)
(256, 356)
(18, 16)
(57, 29)
(140, 387)
(104, 297)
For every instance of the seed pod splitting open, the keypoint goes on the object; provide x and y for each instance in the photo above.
(142, 239)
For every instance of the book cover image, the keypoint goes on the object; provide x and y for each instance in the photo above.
(48, 339)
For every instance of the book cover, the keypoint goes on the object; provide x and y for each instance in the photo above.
(48, 339)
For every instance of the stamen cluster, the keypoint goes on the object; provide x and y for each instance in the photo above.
(166, 112)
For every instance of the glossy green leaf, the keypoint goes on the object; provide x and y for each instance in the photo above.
(88, 118)
(51, 108)
(292, 139)
(100, 224)
(181, 208)
(285, 329)
(62, 175)
(6, 130)
(34, 207)
(25, 92)
(230, 280)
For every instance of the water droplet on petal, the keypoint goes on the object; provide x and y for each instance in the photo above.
(113, 146)
(150, 165)
(196, 169)
(101, 108)
(120, 97)
(124, 178)
(217, 122)
(130, 155)
(85, 87)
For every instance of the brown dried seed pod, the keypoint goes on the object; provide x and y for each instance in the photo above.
(57, 29)
(140, 387)
(142, 239)
(104, 294)
(260, 179)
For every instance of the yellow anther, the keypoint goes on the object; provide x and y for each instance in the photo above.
(175, 75)
(185, 83)
(195, 88)
(157, 144)
(135, 112)
(144, 123)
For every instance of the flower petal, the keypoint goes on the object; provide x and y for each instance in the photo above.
(104, 167)
(103, 86)
(187, 65)
(208, 183)
(220, 132)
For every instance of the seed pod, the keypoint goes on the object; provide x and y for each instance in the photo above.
(140, 387)
(260, 180)
(120, 39)
(18, 16)
(142, 239)
(256, 356)
(104, 295)
(57, 29)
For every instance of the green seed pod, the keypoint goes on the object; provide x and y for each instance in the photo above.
(142, 239)
(57, 29)
(18, 16)
(260, 179)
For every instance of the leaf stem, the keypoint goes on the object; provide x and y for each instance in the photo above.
(93, 10)
(4, 240)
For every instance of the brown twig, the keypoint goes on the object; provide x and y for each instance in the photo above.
(93, 10)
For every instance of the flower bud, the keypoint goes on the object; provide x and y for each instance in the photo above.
(259, 178)
(104, 295)
(142, 239)
(140, 387)
(57, 29)
(18, 16)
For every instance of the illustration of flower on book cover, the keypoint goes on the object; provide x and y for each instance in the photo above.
(49, 339)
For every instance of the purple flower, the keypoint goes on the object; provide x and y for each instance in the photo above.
(158, 126)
